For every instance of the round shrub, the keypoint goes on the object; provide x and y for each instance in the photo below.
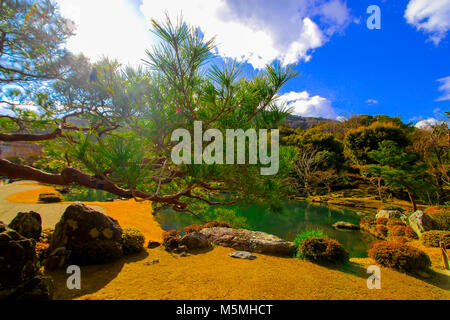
(382, 230)
(322, 250)
(399, 256)
(394, 222)
(382, 221)
(398, 239)
(132, 241)
(368, 221)
(433, 237)
(410, 233)
(193, 228)
(440, 217)
(398, 231)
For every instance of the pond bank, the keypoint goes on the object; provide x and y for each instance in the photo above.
(214, 275)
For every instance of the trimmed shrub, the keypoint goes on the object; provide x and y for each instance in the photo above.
(382, 221)
(382, 231)
(171, 239)
(322, 250)
(395, 222)
(368, 221)
(132, 240)
(308, 234)
(50, 197)
(399, 256)
(440, 217)
(399, 239)
(432, 238)
(217, 224)
(398, 231)
(410, 233)
(193, 228)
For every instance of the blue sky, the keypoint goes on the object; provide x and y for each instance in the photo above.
(401, 70)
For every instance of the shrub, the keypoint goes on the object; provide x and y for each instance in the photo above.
(398, 231)
(399, 239)
(193, 228)
(410, 233)
(432, 238)
(171, 239)
(382, 231)
(322, 250)
(217, 224)
(50, 197)
(383, 221)
(46, 235)
(368, 221)
(308, 234)
(395, 222)
(132, 241)
(399, 256)
(441, 218)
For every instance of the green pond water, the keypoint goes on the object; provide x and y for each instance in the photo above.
(287, 221)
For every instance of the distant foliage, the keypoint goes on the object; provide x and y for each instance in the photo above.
(434, 237)
(132, 241)
(217, 224)
(399, 256)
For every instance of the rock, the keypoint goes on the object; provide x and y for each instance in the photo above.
(57, 259)
(50, 197)
(184, 254)
(196, 241)
(242, 255)
(253, 241)
(420, 222)
(91, 236)
(153, 244)
(361, 214)
(390, 214)
(20, 278)
(27, 224)
(345, 225)
(180, 249)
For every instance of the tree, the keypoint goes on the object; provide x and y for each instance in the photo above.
(398, 169)
(306, 168)
(113, 125)
(31, 38)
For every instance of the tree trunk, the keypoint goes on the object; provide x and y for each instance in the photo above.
(411, 198)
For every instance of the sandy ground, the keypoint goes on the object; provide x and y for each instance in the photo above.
(214, 275)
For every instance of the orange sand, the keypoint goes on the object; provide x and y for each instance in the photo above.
(214, 275)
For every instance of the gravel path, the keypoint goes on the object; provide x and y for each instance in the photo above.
(50, 213)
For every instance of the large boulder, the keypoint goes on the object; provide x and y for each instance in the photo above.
(20, 277)
(28, 224)
(420, 222)
(90, 236)
(253, 241)
(196, 241)
(390, 214)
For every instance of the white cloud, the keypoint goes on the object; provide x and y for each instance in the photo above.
(302, 104)
(445, 88)
(372, 101)
(430, 16)
(259, 32)
(107, 28)
(341, 118)
(427, 124)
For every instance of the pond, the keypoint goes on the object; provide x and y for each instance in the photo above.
(287, 221)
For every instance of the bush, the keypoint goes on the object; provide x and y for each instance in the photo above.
(398, 231)
(395, 222)
(398, 239)
(171, 239)
(383, 221)
(50, 197)
(132, 241)
(47, 234)
(308, 234)
(382, 231)
(217, 224)
(322, 250)
(399, 256)
(368, 221)
(193, 228)
(410, 233)
(432, 238)
(440, 217)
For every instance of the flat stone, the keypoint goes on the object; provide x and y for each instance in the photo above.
(242, 255)
(345, 225)
(153, 244)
